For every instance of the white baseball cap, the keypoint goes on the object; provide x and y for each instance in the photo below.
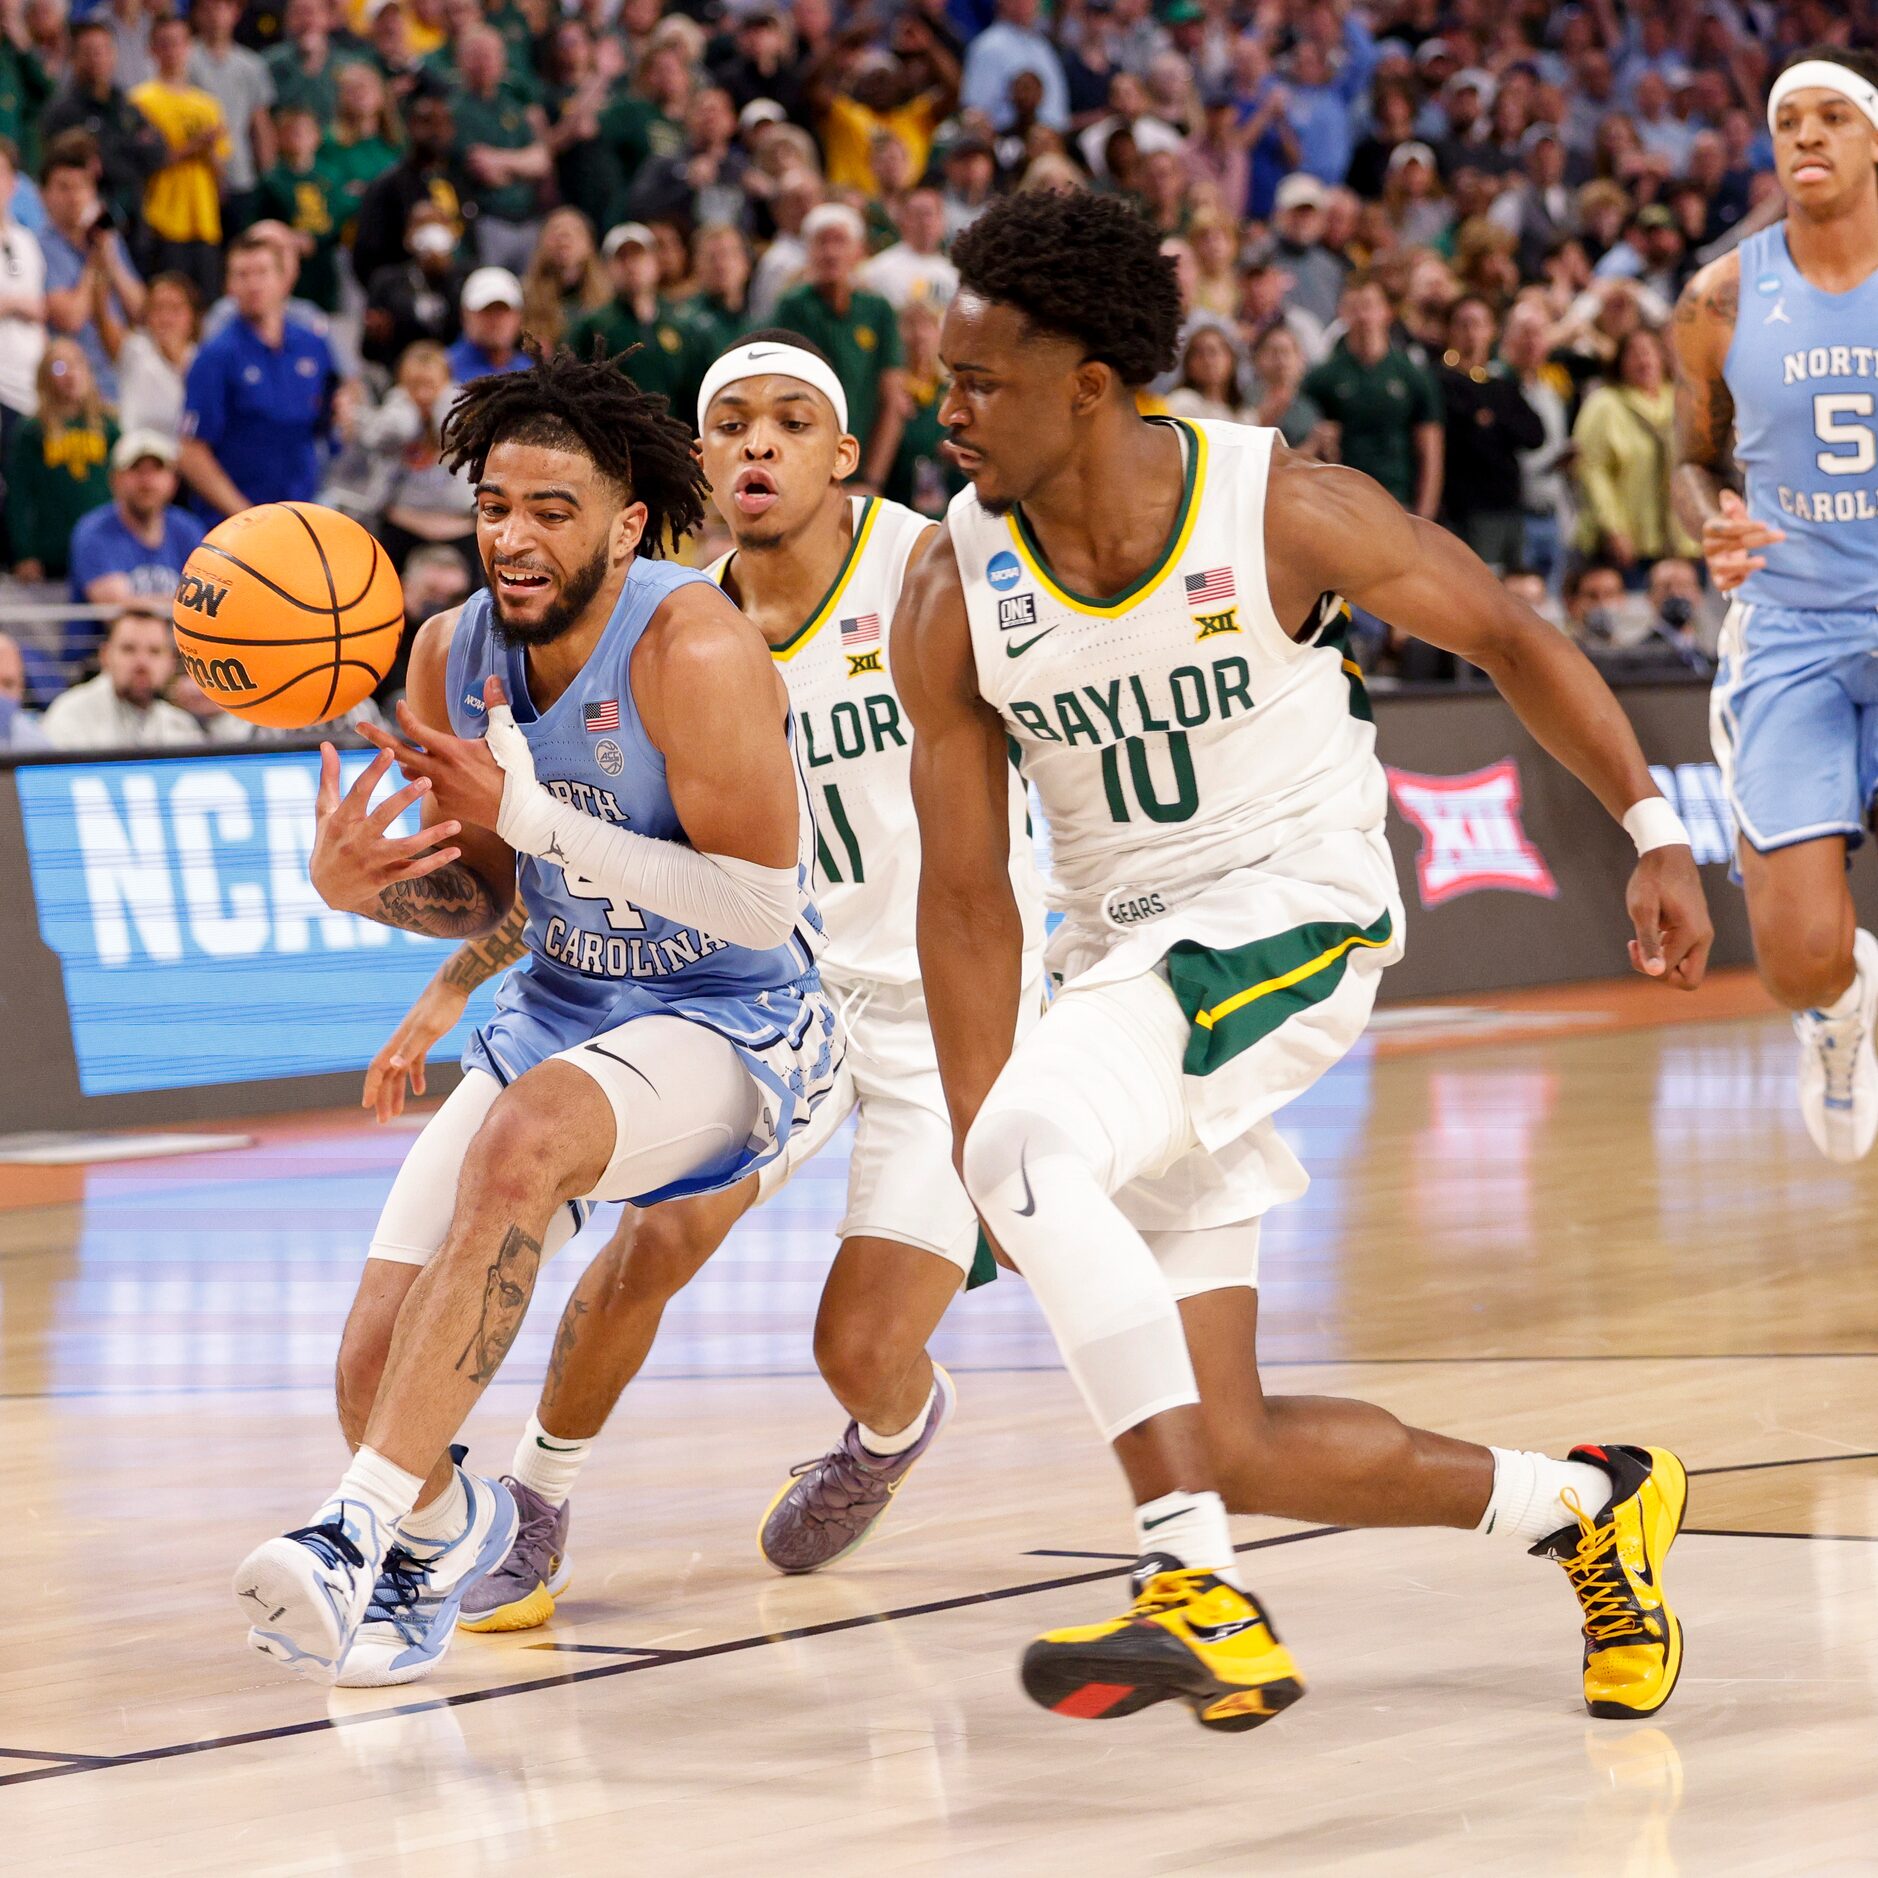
(135, 445)
(627, 235)
(833, 215)
(491, 286)
(1299, 190)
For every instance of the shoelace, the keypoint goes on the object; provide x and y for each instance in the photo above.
(395, 1595)
(1597, 1575)
(1838, 1054)
(1165, 1591)
(535, 1531)
(837, 1469)
(331, 1542)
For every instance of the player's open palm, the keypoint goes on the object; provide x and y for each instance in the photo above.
(355, 856)
(400, 1057)
(1670, 913)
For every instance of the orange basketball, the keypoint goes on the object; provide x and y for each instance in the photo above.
(288, 614)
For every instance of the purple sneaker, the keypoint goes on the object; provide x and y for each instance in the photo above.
(827, 1507)
(520, 1595)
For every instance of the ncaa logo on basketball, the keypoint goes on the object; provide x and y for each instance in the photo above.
(609, 756)
(1017, 609)
(1003, 571)
(1472, 839)
(197, 595)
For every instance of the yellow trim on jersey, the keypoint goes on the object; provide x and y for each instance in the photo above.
(782, 654)
(1285, 980)
(1138, 591)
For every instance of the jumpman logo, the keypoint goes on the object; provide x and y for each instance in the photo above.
(1779, 316)
(552, 852)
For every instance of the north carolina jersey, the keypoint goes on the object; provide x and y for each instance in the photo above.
(856, 749)
(590, 955)
(1802, 368)
(1175, 732)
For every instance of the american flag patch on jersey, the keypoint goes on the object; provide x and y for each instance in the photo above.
(1212, 588)
(862, 631)
(602, 716)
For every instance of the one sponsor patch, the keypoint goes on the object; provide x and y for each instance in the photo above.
(1017, 609)
(1003, 570)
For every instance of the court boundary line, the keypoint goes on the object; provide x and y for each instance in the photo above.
(733, 1646)
(1723, 1532)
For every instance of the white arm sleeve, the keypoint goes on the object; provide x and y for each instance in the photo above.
(742, 902)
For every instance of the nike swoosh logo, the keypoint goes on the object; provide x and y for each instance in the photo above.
(1030, 1199)
(1017, 652)
(1218, 1633)
(554, 1447)
(1643, 1575)
(1148, 1525)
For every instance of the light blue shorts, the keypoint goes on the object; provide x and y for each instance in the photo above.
(1794, 721)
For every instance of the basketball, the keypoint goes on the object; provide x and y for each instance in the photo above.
(288, 614)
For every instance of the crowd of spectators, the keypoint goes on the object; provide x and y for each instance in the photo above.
(247, 253)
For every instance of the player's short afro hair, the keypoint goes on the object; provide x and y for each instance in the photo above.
(1088, 267)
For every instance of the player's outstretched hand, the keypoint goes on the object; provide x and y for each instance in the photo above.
(1670, 912)
(354, 858)
(1729, 540)
(401, 1056)
(466, 778)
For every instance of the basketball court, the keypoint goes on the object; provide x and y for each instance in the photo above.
(1536, 1219)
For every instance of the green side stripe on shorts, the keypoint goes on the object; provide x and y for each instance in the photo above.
(984, 1265)
(1236, 998)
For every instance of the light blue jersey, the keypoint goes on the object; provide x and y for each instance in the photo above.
(1802, 369)
(595, 962)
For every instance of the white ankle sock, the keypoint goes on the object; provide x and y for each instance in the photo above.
(446, 1517)
(1845, 1004)
(1528, 1499)
(885, 1447)
(547, 1464)
(1190, 1527)
(388, 1490)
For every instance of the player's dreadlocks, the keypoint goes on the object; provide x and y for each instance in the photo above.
(593, 407)
(1084, 266)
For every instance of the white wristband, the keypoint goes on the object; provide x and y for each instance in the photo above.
(1652, 823)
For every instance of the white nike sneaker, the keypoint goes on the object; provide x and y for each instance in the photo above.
(304, 1593)
(413, 1610)
(1839, 1067)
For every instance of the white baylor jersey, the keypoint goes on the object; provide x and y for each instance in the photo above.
(856, 749)
(1176, 732)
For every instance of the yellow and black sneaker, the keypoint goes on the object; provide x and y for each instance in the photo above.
(1190, 1636)
(1633, 1641)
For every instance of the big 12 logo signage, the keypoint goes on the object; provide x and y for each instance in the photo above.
(1471, 834)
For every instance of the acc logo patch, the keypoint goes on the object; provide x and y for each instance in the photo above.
(1019, 609)
(1003, 570)
(609, 756)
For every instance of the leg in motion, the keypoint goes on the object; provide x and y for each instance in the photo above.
(1091, 1099)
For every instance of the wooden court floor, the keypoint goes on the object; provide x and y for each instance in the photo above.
(1533, 1221)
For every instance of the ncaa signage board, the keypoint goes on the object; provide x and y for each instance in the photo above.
(192, 946)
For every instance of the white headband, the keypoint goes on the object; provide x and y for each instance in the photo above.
(764, 360)
(1828, 77)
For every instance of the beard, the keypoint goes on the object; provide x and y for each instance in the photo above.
(563, 613)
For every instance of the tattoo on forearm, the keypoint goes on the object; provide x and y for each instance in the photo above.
(449, 904)
(564, 1340)
(507, 1286)
(478, 960)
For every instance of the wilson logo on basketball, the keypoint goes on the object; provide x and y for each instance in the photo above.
(1471, 834)
(216, 674)
(200, 596)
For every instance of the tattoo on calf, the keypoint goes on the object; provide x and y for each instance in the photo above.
(507, 1286)
(448, 904)
(564, 1339)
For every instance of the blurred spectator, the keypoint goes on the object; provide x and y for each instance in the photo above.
(1265, 288)
(1544, 486)
(259, 395)
(914, 268)
(304, 65)
(1326, 82)
(856, 329)
(298, 192)
(798, 191)
(128, 145)
(123, 708)
(492, 326)
(134, 547)
(360, 146)
(1317, 275)
(702, 181)
(20, 730)
(1385, 407)
(1209, 378)
(56, 463)
(434, 580)
(1529, 589)
(1625, 435)
(761, 62)
(182, 201)
(719, 309)
(155, 356)
(501, 140)
(1418, 212)
(1013, 44)
(237, 78)
(921, 477)
(22, 306)
(93, 293)
(1487, 423)
(1278, 395)
(859, 92)
(419, 297)
(669, 354)
(969, 173)
(1537, 211)
(428, 174)
(1215, 245)
(565, 279)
